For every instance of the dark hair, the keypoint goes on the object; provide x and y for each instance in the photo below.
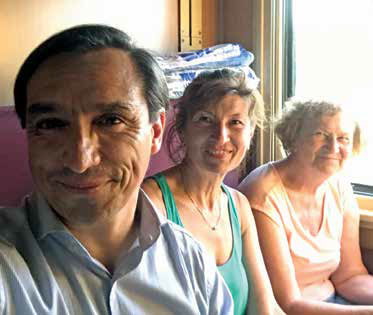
(207, 88)
(89, 37)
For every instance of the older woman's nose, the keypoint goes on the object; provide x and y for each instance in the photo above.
(81, 150)
(333, 144)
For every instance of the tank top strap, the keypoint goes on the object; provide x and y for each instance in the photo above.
(168, 198)
(235, 222)
(233, 270)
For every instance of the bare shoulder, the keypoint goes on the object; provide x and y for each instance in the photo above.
(259, 182)
(243, 208)
(151, 188)
(239, 199)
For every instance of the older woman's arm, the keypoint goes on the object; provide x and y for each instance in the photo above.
(351, 279)
(280, 268)
(261, 298)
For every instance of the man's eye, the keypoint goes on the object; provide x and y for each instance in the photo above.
(50, 123)
(110, 121)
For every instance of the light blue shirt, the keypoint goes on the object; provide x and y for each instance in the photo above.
(44, 269)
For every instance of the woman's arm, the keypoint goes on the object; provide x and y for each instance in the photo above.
(351, 279)
(261, 298)
(281, 271)
(152, 190)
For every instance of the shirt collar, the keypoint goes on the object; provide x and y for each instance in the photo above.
(43, 219)
(150, 221)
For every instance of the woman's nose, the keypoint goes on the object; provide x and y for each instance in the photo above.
(333, 144)
(221, 133)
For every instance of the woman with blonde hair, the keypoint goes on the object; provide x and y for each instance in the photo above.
(215, 120)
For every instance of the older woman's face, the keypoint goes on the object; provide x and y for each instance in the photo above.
(326, 144)
(218, 136)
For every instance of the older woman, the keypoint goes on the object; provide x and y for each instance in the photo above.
(215, 121)
(307, 217)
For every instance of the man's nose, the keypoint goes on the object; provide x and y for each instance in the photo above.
(81, 150)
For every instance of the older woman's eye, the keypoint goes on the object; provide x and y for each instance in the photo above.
(344, 139)
(320, 135)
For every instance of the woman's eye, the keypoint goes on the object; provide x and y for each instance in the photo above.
(320, 135)
(205, 119)
(236, 122)
(344, 140)
(50, 123)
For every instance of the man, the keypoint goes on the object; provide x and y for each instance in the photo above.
(88, 241)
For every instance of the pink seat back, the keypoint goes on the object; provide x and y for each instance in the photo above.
(15, 177)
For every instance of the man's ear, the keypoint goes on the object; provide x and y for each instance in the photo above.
(158, 127)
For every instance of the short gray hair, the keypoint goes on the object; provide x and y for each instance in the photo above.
(288, 127)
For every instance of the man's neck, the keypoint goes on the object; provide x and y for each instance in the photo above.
(108, 238)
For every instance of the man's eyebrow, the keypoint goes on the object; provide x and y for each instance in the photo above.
(115, 107)
(40, 108)
(37, 109)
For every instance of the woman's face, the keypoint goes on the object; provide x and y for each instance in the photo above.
(325, 144)
(218, 136)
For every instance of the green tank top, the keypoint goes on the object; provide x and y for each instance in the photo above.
(233, 270)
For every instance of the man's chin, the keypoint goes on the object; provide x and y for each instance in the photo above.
(78, 211)
(66, 202)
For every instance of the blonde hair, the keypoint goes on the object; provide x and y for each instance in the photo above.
(206, 89)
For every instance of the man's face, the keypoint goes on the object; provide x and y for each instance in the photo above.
(89, 134)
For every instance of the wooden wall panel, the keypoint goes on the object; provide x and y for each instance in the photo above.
(25, 23)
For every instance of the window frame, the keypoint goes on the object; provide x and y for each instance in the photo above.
(267, 34)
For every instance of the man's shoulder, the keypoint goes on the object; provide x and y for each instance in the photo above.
(12, 221)
(182, 236)
(185, 247)
(191, 257)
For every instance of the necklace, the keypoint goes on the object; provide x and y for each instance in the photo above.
(212, 227)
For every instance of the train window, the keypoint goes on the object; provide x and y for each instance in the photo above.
(332, 59)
